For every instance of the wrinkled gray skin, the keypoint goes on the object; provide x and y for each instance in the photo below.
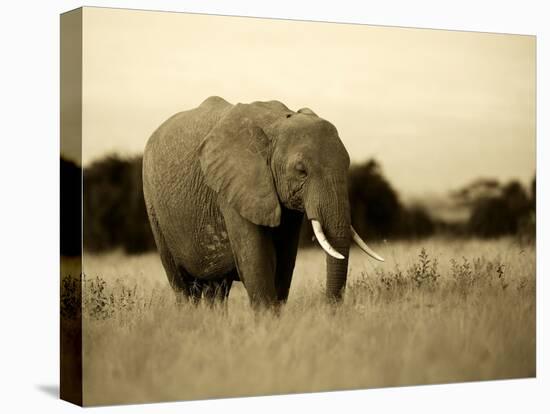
(226, 187)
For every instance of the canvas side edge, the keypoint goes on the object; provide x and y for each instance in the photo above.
(71, 207)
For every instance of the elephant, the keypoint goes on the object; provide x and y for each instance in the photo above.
(226, 188)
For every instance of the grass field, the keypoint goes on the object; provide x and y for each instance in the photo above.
(436, 311)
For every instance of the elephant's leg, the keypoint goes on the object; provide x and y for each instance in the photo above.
(254, 254)
(177, 276)
(286, 238)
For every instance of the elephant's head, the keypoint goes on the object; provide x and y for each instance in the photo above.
(262, 155)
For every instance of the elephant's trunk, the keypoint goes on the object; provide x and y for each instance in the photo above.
(330, 209)
(337, 271)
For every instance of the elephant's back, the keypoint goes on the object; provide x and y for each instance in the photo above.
(172, 150)
(183, 132)
(173, 183)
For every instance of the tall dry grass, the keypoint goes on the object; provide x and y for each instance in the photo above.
(437, 311)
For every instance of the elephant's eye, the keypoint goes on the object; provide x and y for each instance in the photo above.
(301, 168)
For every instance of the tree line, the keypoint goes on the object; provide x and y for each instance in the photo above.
(115, 217)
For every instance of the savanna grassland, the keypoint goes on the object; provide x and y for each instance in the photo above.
(436, 311)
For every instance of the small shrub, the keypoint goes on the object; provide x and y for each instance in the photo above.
(501, 276)
(424, 273)
(463, 276)
(71, 297)
(126, 299)
(363, 285)
(97, 303)
(394, 281)
(522, 284)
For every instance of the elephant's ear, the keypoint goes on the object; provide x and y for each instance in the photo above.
(306, 111)
(233, 158)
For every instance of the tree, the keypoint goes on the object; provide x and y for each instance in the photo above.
(70, 208)
(375, 206)
(114, 209)
(500, 212)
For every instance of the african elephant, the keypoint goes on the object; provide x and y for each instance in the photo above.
(226, 187)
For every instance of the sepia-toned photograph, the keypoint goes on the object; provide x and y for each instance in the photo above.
(256, 206)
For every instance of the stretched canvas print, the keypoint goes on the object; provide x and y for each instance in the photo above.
(256, 206)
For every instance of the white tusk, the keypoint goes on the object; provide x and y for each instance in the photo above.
(364, 246)
(318, 230)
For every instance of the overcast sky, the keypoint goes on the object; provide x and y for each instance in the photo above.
(436, 108)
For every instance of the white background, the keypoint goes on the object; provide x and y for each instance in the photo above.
(29, 207)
